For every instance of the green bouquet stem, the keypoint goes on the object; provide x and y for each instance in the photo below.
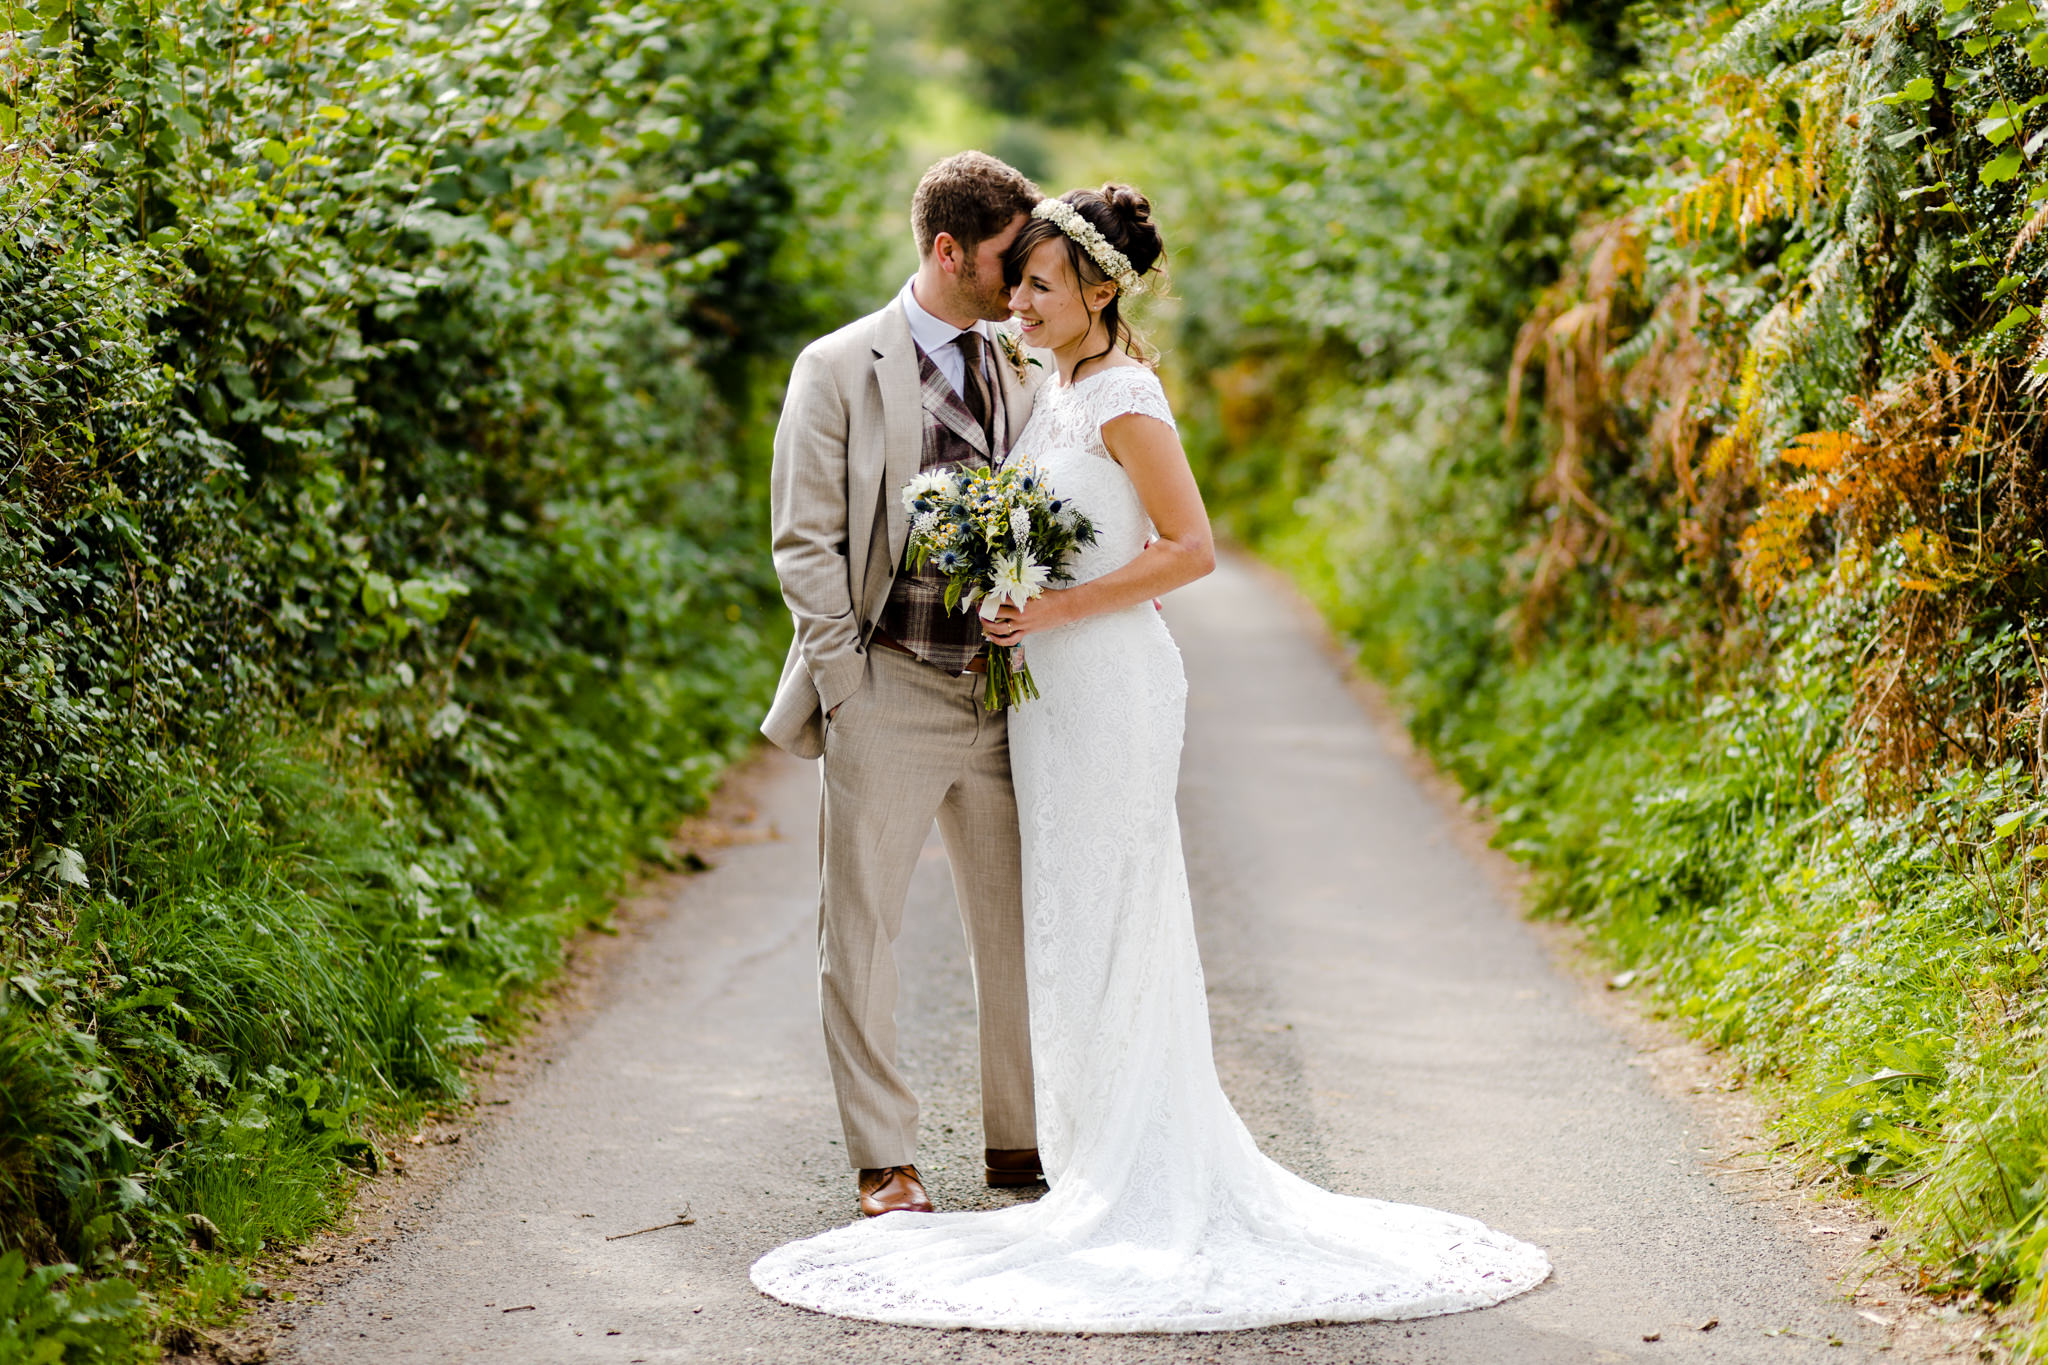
(1009, 678)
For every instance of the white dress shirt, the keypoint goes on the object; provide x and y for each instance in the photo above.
(935, 336)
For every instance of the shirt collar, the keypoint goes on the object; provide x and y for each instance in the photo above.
(930, 332)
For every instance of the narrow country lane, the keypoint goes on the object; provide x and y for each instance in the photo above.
(1384, 1021)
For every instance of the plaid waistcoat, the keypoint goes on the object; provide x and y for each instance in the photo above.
(915, 615)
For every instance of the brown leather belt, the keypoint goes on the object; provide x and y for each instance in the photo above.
(977, 664)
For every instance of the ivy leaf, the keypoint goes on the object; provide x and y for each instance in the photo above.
(67, 865)
(428, 598)
(1919, 90)
(2000, 169)
(2019, 314)
(1998, 128)
(2013, 17)
(2006, 119)
(380, 594)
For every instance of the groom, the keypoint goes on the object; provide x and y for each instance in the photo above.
(885, 684)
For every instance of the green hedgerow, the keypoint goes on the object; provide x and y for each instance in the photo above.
(382, 563)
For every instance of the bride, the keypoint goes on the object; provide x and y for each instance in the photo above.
(1162, 1215)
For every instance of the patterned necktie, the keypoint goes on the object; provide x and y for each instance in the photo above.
(975, 391)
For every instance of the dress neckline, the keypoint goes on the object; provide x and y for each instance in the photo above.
(1072, 384)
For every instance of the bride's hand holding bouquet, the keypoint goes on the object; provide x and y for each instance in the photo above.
(1001, 538)
(1012, 622)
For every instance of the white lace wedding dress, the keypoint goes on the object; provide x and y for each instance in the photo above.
(1162, 1216)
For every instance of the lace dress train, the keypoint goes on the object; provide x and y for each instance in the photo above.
(1162, 1215)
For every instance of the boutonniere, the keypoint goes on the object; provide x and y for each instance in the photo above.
(1013, 351)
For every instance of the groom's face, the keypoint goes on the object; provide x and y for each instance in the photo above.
(981, 275)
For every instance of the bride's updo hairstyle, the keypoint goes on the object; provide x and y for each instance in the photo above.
(1124, 218)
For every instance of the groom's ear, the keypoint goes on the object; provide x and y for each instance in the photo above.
(948, 252)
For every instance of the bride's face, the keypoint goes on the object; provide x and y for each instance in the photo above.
(1048, 302)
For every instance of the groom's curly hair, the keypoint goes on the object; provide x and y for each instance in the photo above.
(971, 197)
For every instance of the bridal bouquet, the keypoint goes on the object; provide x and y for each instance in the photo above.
(999, 536)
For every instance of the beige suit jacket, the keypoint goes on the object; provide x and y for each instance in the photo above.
(851, 435)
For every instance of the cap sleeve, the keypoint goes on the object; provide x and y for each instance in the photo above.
(1129, 389)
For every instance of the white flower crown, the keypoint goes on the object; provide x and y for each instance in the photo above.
(1114, 263)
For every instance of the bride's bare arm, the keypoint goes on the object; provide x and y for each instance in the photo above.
(1151, 454)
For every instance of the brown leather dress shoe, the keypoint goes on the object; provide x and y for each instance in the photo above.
(893, 1189)
(1007, 1167)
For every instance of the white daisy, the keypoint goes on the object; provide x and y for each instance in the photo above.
(925, 484)
(1019, 578)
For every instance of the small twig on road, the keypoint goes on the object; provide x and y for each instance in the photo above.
(683, 1220)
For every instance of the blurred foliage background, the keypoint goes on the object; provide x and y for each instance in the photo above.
(1650, 392)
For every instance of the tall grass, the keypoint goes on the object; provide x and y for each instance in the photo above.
(1872, 964)
(286, 948)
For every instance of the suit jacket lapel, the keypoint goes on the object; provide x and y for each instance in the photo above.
(896, 376)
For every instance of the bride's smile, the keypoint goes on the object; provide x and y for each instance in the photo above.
(1054, 312)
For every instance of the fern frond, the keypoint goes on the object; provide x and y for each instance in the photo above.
(2029, 230)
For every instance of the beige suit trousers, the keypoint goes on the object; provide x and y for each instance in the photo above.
(910, 745)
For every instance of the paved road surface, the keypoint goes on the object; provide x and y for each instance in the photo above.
(1384, 1022)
